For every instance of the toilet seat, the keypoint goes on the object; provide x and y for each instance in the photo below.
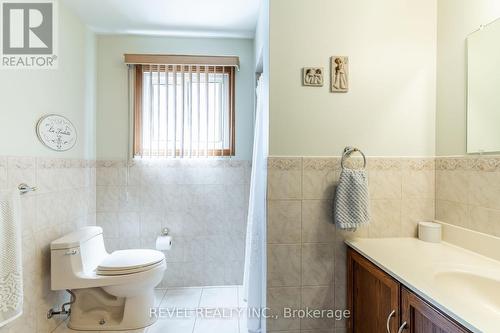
(129, 262)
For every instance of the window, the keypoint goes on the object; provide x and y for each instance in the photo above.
(184, 111)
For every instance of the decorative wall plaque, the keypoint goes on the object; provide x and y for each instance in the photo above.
(340, 74)
(56, 132)
(312, 76)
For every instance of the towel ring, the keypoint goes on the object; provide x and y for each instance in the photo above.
(347, 153)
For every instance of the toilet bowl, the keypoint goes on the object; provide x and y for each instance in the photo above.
(114, 291)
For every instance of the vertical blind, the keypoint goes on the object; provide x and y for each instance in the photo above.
(184, 110)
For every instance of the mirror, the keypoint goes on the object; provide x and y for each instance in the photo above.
(483, 90)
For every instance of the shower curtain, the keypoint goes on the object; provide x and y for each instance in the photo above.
(254, 274)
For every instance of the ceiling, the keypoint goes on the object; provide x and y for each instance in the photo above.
(197, 18)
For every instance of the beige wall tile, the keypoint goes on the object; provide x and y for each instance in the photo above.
(468, 192)
(317, 264)
(341, 303)
(415, 210)
(317, 221)
(319, 177)
(419, 184)
(203, 203)
(385, 218)
(320, 298)
(60, 205)
(385, 184)
(484, 190)
(452, 186)
(402, 193)
(284, 184)
(341, 255)
(284, 178)
(284, 221)
(452, 212)
(279, 298)
(319, 184)
(484, 220)
(283, 265)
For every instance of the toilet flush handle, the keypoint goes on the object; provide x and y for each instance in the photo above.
(71, 252)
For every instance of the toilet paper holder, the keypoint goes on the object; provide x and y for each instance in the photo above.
(165, 231)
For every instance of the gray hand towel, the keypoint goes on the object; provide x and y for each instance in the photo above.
(352, 203)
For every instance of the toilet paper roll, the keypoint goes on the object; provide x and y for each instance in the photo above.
(163, 243)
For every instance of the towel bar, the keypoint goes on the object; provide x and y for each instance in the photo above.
(347, 153)
(24, 188)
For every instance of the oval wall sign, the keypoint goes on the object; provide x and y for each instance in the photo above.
(56, 132)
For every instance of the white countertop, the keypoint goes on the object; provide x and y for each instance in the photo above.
(423, 267)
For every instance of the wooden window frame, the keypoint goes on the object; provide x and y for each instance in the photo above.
(138, 86)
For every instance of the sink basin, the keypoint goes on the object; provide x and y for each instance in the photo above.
(471, 284)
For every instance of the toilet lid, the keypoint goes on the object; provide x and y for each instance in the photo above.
(130, 261)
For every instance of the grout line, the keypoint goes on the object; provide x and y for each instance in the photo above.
(201, 295)
(162, 297)
(237, 298)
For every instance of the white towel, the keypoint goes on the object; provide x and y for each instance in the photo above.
(352, 203)
(11, 276)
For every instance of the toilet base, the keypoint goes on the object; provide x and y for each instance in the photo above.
(96, 310)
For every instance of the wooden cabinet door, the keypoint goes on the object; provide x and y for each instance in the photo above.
(421, 317)
(372, 297)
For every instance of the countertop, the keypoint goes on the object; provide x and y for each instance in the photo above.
(423, 267)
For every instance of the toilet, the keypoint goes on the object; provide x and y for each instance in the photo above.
(114, 291)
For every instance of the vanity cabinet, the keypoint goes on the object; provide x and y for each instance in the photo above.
(379, 303)
(373, 297)
(420, 317)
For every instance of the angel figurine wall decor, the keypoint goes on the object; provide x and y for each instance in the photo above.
(312, 76)
(340, 74)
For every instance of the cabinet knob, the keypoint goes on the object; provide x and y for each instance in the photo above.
(389, 320)
(403, 326)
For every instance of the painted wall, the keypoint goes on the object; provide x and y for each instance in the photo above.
(456, 20)
(390, 109)
(29, 94)
(112, 117)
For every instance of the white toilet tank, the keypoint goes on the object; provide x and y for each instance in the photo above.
(75, 255)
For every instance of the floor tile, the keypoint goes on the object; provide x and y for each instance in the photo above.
(185, 298)
(159, 294)
(241, 301)
(226, 297)
(208, 325)
(243, 323)
(182, 298)
(173, 325)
